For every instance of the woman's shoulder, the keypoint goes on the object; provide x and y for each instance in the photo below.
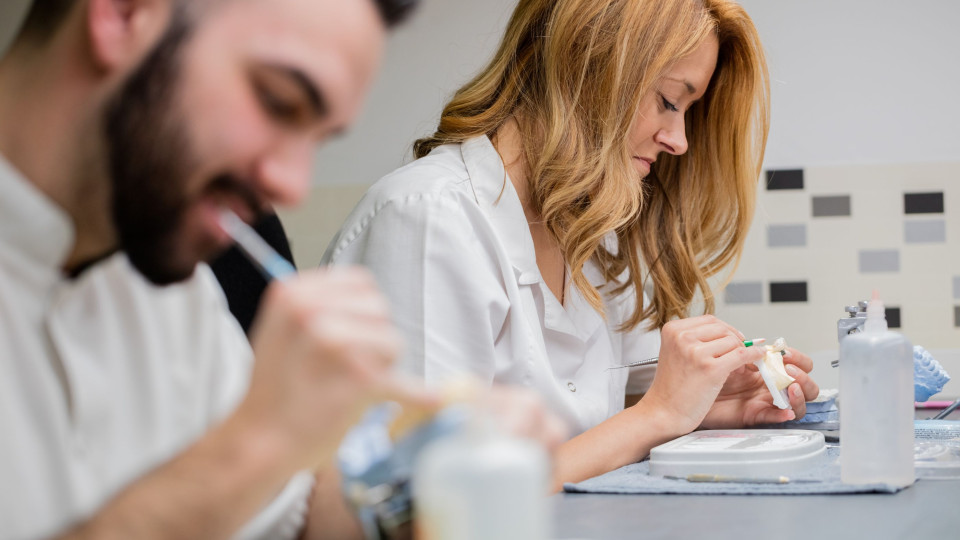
(432, 191)
(440, 173)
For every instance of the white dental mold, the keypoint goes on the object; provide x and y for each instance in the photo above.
(740, 453)
(774, 375)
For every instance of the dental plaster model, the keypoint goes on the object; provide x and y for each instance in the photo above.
(774, 375)
(928, 375)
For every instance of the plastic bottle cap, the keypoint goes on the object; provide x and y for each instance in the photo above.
(876, 315)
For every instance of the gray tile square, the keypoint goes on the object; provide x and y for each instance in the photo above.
(925, 232)
(881, 260)
(744, 293)
(787, 235)
(956, 316)
(831, 205)
(956, 287)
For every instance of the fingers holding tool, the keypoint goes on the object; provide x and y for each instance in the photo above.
(697, 356)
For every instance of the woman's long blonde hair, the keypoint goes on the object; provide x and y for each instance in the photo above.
(573, 74)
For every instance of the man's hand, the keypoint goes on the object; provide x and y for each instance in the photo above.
(324, 347)
(522, 413)
(745, 401)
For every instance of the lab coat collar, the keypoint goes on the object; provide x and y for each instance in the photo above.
(31, 223)
(499, 201)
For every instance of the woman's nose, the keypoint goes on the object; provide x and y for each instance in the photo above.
(673, 137)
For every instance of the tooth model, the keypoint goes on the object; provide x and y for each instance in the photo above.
(928, 375)
(775, 377)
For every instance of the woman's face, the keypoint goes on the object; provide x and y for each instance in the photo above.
(659, 125)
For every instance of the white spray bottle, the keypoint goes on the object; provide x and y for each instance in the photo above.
(876, 404)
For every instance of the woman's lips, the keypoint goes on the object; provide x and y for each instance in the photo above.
(647, 162)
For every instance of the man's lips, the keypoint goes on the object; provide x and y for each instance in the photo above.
(238, 195)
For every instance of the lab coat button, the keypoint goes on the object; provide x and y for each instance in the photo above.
(572, 387)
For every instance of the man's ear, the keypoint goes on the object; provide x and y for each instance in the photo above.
(122, 31)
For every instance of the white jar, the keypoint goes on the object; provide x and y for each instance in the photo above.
(482, 485)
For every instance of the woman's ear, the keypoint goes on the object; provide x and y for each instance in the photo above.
(122, 31)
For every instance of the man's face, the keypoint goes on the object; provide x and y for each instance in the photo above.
(226, 111)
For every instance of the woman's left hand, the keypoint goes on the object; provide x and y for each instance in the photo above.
(745, 401)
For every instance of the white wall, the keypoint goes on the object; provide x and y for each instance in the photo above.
(11, 12)
(427, 59)
(858, 82)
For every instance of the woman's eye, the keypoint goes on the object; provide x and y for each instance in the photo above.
(668, 106)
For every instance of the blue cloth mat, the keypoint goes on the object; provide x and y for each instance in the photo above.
(636, 479)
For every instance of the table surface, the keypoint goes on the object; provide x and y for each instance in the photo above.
(929, 509)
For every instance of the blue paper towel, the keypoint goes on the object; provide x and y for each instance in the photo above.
(636, 479)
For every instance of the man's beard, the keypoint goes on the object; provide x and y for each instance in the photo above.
(151, 159)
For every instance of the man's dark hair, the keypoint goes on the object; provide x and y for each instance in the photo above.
(45, 16)
(395, 11)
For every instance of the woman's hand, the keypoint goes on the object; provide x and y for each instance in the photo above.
(698, 355)
(745, 401)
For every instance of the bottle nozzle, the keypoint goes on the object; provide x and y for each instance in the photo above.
(876, 315)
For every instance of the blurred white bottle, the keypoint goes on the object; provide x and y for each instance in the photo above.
(482, 485)
(876, 404)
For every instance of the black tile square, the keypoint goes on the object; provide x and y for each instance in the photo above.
(795, 291)
(923, 203)
(893, 317)
(956, 316)
(785, 179)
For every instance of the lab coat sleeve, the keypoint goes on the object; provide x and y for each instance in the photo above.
(227, 356)
(428, 254)
(227, 378)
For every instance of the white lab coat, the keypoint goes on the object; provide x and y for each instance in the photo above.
(448, 242)
(105, 377)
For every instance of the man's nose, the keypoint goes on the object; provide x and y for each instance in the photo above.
(283, 172)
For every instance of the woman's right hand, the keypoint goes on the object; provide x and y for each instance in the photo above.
(696, 357)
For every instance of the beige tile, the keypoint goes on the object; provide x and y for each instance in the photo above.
(312, 225)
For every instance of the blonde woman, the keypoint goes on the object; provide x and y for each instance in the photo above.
(609, 145)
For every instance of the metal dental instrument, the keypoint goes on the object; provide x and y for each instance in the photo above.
(655, 359)
(851, 324)
(946, 412)
(740, 480)
(647, 362)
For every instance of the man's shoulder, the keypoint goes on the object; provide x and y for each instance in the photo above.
(116, 276)
(189, 314)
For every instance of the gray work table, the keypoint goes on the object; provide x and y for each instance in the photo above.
(930, 509)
